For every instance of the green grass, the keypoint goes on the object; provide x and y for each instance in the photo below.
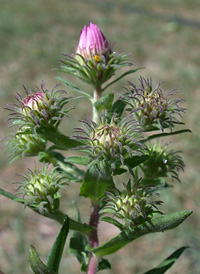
(33, 37)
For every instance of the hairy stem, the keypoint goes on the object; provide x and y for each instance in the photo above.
(93, 238)
(96, 97)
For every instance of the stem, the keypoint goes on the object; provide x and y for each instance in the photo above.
(94, 217)
(93, 238)
(96, 97)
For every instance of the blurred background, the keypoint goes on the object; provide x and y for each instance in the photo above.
(163, 36)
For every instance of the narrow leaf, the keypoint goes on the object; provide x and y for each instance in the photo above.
(156, 224)
(61, 141)
(79, 160)
(74, 88)
(37, 265)
(120, 77)
(56, 215)
(55, 255)
(168, 262)
(165, 134)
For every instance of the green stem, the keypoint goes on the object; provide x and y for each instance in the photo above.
(96, 97)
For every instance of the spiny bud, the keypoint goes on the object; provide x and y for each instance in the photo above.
(111, 141)
(24, 144)
(161, 163)
(42, 108)
(40, 187)
(152, 107)
(132, 205)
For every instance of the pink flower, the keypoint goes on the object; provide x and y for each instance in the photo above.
(32, 101)
(92, 43)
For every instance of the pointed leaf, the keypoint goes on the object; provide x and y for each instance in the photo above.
(97, 180)
(132, 162)
(54, 215)
(79, 160)
(55, 255)
(37, 265)
(74, 88)
(165, 134)
(61, 141)
(103, 264)
(77, 248)
(120, 77)
(104, 102)
(156, 224)
(168, 262)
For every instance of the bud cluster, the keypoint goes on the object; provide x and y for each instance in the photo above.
(110, 141)
(152, 107)
(41, 187)
(132, 205)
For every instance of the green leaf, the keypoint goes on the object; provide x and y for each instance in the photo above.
(61, 141)
(118, 107)
(168, 262)
(79, 160)
(112, 221)
(120, 77)
(77, 246)
(131, 162)
(56, 215)
(156, 224)
(165, 135)
(97, 180)
(74, 88)
(37, 265)
(55, 255)
(104, 102)
(103, 264)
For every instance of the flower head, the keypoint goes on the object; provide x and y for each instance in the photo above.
(154, 108)
(92, 43)
(39, 108)
(161, 163)
(113, 141)
(132, 205)
(41, 187)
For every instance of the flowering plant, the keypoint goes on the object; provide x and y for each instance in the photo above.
(119, 139)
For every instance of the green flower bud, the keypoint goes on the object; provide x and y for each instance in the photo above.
(161, 163)
(110, 141)
(132, 205)
(153, 108)
(41, 188)
(42, 108)
(24, 144)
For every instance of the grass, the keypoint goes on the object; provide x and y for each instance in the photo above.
(33, 37)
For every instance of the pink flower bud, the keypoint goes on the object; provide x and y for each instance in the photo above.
(32, 101)
(92, 43)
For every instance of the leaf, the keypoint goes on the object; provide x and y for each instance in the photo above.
(54, 215)
(77, 245)
(120, 77)
(79, 160)
(55, 255)
(61, 141)
(104, 102)
(103, 264)
(131, 162)
(112, 221)
(118, 107)
(37, 265)
(97, 180)
(156, 224)
(165, 135)
(74, 88)
(168, 262)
